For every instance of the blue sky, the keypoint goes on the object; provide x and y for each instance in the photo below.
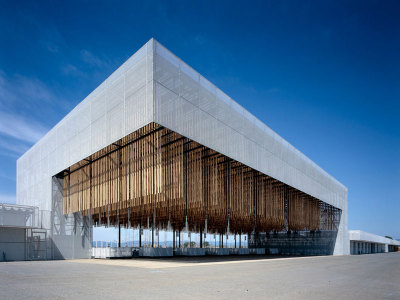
(325, 75)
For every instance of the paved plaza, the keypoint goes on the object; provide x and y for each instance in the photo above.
(373, 276)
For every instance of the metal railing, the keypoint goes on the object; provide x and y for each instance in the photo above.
(13, 215)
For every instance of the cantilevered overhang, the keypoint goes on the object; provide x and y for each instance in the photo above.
(156, 86)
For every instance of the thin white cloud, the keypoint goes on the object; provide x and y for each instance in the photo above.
(72, 70)
(33, 88)
(15, 147)
(20, 128)
(4, 198)
(5, 175)
(200, 39)
(9, 154)
(92, 59)
(19, 96)
(50, 46)
(22, 92)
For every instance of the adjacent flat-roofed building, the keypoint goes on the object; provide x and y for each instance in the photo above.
(21, 237)
(362, 242)
(158, 146)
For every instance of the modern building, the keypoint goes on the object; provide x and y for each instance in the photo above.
(21, 237)
(158, 147)
(362, 242)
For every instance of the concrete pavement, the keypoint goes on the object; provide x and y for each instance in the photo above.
(373, 276)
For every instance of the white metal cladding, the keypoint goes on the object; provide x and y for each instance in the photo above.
(358, 235)
(189, 104)
(155, 85)
(122, 104)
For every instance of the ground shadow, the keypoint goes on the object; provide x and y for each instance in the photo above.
(209, 259)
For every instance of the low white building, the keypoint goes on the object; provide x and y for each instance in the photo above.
(362, 242)
(21, 237)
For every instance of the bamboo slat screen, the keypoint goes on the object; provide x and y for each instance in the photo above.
(156, 176)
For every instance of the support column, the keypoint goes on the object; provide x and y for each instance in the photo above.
(173, 237)
(140, 234)
(201, 238)
(205, 189)
(90, 229)
(120, 193)
(255, 208)
(141, 190)
(228, 197)
(119, 235)
(153, 193)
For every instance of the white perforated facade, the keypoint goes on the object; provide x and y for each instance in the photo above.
(156, 86)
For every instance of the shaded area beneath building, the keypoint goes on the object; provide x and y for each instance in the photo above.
(295, 243)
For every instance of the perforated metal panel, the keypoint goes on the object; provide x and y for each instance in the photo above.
(187, 103)
(120, 105)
